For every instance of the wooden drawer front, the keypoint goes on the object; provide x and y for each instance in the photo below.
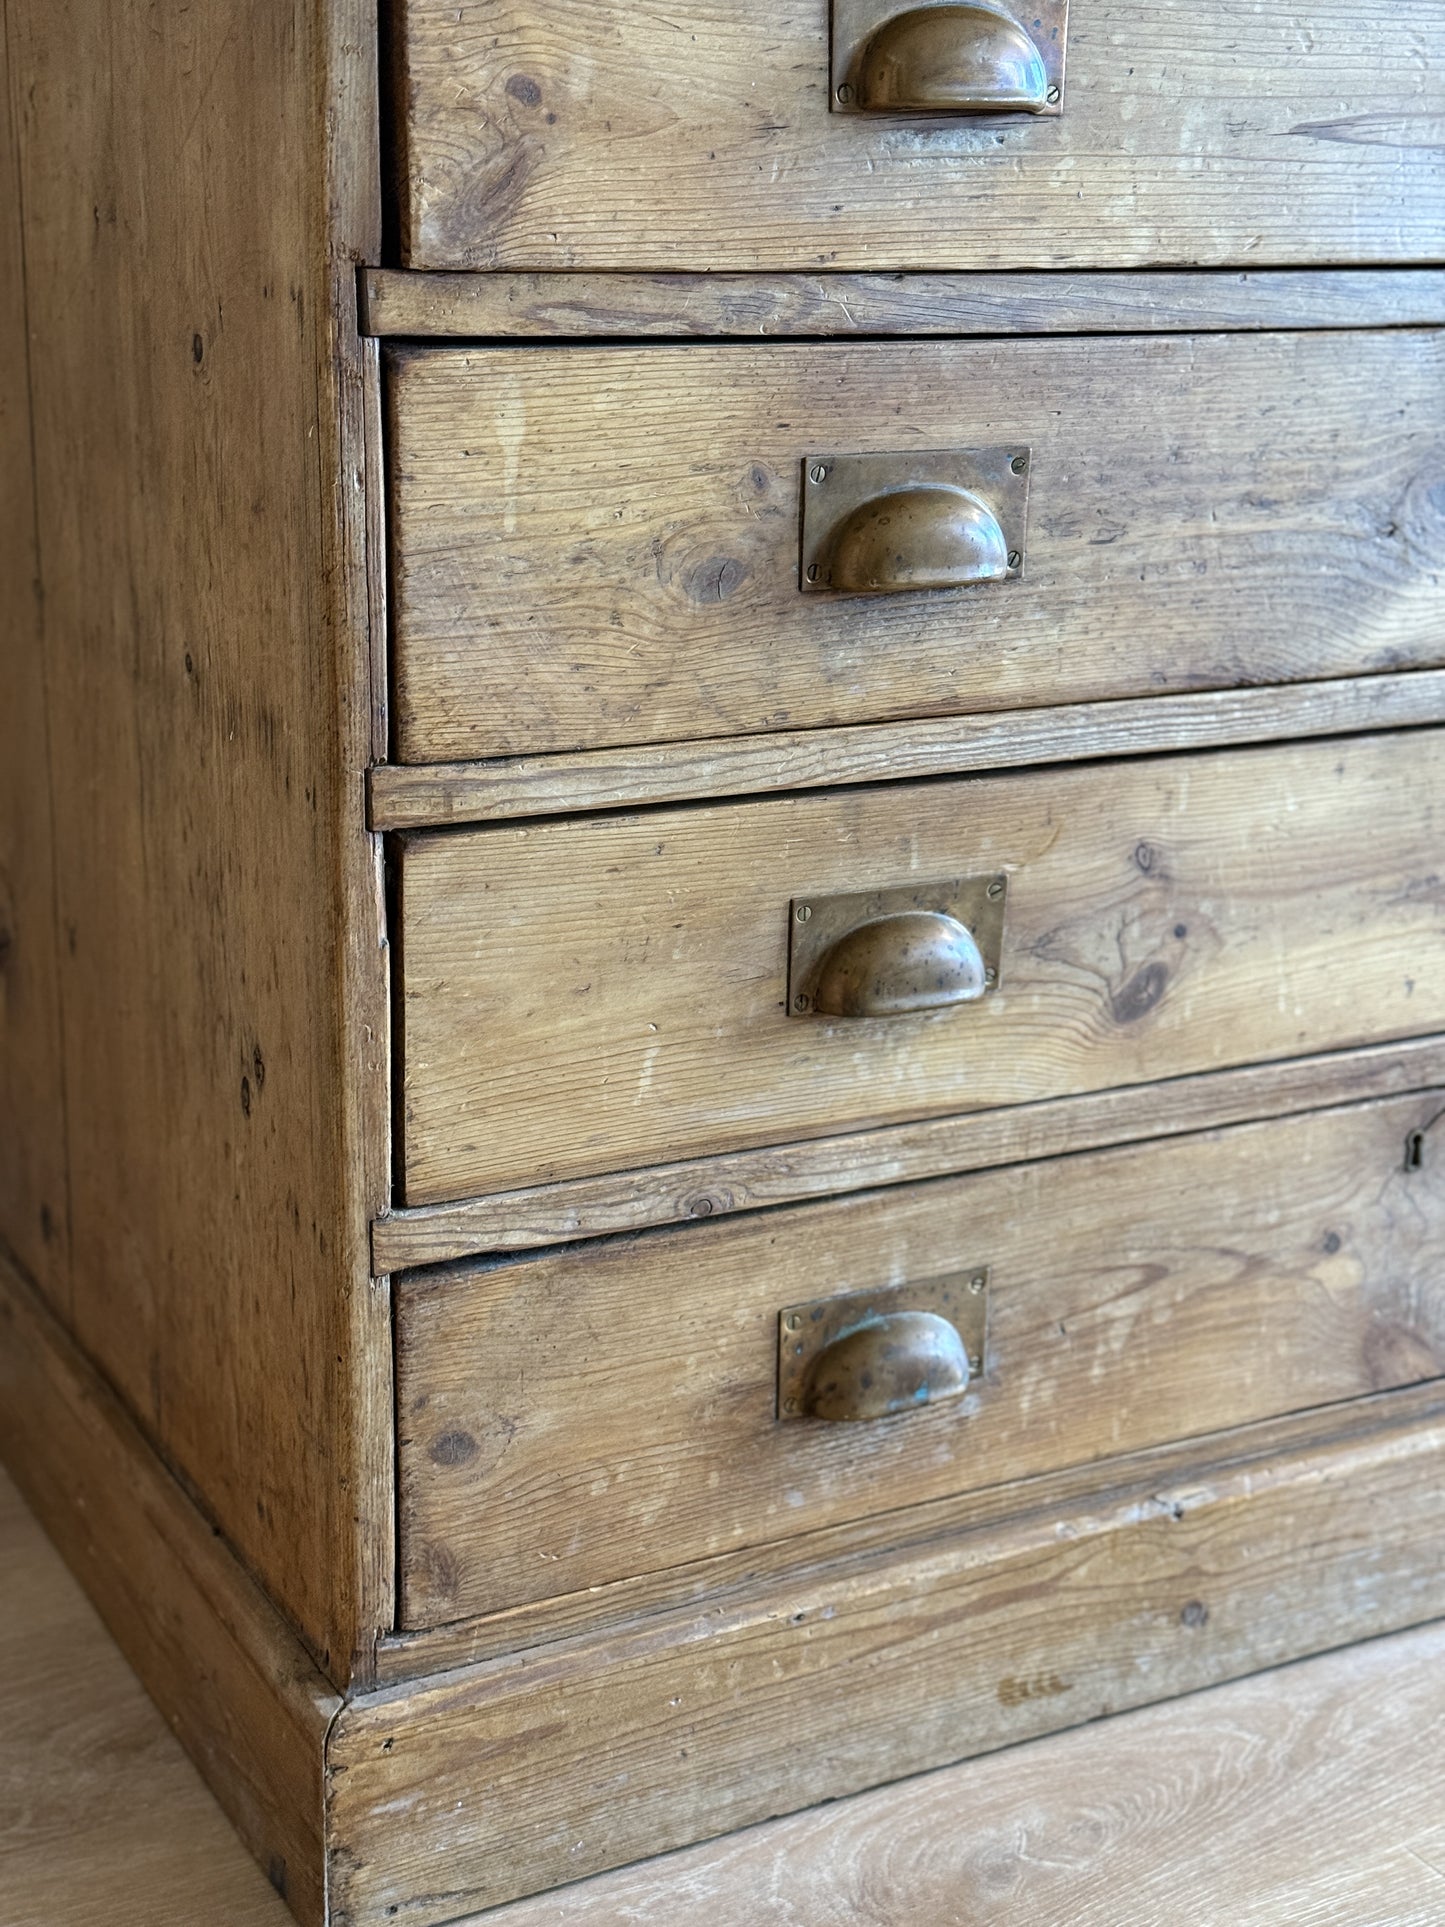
(592, 995)
(611, 1409)
(595, 133)
(598, 546)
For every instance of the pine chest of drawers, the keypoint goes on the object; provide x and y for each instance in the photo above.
(722, 945)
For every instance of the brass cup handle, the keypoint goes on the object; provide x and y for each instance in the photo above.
(951, 59)
(911, 961)
(930, 536)
(886, 1366)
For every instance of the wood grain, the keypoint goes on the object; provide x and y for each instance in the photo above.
(598, 546)
(588, 134)
(1304, 1794)
(197, 184)
(568, 1421)
(426, 795)
(103, 1821)
(718, 1187)
(697, 1722)
(716, 1584)
(395, 301)
(34, 1200)
(233, 1681)
(590, 996)
(1307, 1795)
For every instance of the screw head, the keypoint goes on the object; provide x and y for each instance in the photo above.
(790, 1405)
(1053, 96)
(996, 889)
(813, 572)
(845, 94)
(803, 912)
(792, 1322)
(800, 1002)
(819, 472)
(1014, 558)
(990, 976)
(1019, 464)
(976, 1284)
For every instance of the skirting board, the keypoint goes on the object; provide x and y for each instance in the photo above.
(436, 1798)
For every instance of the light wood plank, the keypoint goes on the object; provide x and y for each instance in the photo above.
(705, 1188)
(396, 301)
(421, 796)
(233, 1681)
(571, 1420)
(699, 1722)
(1310, 1795)
(598, 546)
(103, 1821)
(201, 181)
(543, 134)
(599, 995)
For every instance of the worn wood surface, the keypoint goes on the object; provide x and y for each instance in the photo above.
(590, 996)
(197, 183)
(103, 1821)
(1310, 1795)
(572, 1420)
(716, 1584)
(232, 1680)
(414, 796)
(706, 1188)
(589, 134)
(395, 301)
(1307, 1793)
(558, 1763)
(599, 545)
(34, 1205)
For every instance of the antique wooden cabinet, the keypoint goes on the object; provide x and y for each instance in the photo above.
(722, 942)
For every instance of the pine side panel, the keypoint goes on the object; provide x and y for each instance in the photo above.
(34, 1209)
(197, 183)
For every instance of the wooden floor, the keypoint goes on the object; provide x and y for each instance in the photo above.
(1313, 1797)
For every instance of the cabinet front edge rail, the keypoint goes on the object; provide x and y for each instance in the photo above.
(578, 305)
(441, 795)
(551, 1214)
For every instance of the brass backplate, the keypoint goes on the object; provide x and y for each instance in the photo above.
(817, 923)
(835, 485)
(855, 22)
(806, 1330)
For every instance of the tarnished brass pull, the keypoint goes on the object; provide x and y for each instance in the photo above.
(884, 953)
(917, 960)
(872, 1355)
(930, 519)
(947, 57)
(916, 538)
(890, 1365)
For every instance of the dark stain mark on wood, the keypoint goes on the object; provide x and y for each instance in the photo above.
(1017, 1692)
(1140, 995)
(714, 580)
(453, 1448)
